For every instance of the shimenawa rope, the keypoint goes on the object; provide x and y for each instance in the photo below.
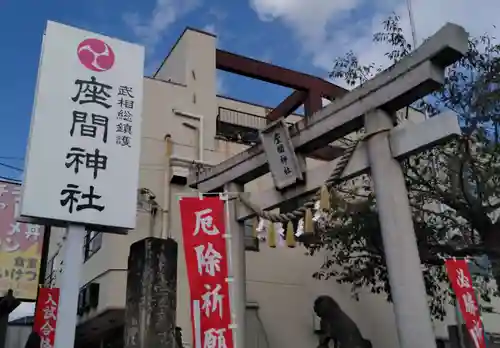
(333, 180)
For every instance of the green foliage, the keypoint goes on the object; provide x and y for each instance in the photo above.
(463, 200)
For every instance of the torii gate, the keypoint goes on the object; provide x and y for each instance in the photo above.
(373, 106)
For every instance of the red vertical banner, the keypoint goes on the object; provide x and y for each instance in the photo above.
(203, 231)
(461, 282)
(46, 316)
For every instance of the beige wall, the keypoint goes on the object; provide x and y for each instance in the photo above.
(279, 280)
(17, 335)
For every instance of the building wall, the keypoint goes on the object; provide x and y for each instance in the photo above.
(175, 71)
(17, 335)
(278, 280)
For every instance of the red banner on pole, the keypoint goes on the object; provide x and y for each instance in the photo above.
(461, 282)
(203, 231)
(45, 320)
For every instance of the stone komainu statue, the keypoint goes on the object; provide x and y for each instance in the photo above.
(178, 337)
(337, 326)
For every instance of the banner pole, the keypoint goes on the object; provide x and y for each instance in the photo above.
(235, 237)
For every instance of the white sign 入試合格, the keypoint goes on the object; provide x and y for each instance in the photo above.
(84, 146)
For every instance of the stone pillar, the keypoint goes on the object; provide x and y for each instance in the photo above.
(413, 318)
(150, 310)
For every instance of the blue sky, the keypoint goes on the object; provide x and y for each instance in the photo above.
(302, 35)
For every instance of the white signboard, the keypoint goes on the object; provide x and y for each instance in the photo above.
(284, 164)
(84, 146)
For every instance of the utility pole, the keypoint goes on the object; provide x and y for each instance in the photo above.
(412, 23)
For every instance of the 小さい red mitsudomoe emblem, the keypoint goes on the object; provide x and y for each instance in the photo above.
(96, 55)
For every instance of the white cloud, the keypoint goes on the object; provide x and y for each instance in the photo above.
(210, 28)
(218, 13)
(151, 29)
(328, 29)
(309, 19)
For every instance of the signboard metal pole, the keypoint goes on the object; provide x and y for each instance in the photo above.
(70, 285)
(237, 264)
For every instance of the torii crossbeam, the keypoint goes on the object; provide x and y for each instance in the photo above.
(371, 105)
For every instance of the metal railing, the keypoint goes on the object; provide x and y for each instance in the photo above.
(242, 119)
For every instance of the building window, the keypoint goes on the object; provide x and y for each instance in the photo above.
(51, 270)
(93, 242)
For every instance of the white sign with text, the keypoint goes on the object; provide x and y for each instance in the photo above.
(82, 164)
(285, 165)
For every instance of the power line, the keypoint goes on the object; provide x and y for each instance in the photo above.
(11, 167)
(9, 179)
(412, 23)
(12, 158)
